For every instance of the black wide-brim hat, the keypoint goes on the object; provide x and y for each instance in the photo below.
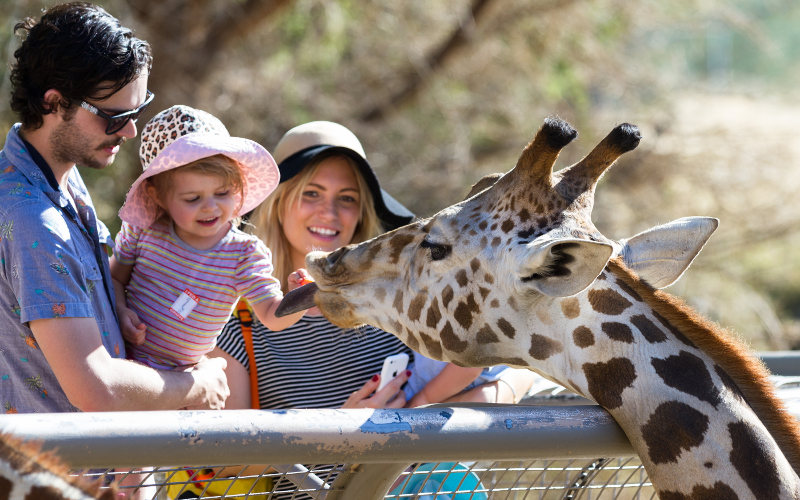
(319, 139)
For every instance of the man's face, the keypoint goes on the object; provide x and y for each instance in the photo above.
(80, 136)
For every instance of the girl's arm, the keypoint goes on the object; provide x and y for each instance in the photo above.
(133, 330)
(265, 310)
(451, 380)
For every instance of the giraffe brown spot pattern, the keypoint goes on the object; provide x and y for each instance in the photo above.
(506, 327)
(720, 491)
(397, 244)
(398, 301)
(648, 329)
(543, 347)
(617, 331)
(447, 295)
(450, 340)
(570, 307)
(750, 458)
(583, 337)
(486, 336)
(688, 373)
(464, 311)
(461, 278)
(729, 383)
(474, 265)
(630, 291)
(432, 345)
(608, 301)
(43, 493)
(607, 380)
(410, 340)
(416, 305)
(674, 331)
(434, 315)
(671, 428)
(5, 487)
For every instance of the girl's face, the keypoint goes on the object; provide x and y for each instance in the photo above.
(328, 212)
(201, 207)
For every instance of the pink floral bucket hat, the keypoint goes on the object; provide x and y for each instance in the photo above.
(181, 135)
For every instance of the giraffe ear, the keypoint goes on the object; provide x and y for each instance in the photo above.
(661, 254)
(564, 266)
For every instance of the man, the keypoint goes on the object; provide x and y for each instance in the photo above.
(79, 83)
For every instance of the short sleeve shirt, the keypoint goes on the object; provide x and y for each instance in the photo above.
(53, 264)
(185, 295)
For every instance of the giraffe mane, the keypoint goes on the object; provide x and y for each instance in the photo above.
(27, 457)
(729, 352)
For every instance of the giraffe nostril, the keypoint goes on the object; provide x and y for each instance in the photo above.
(334, 257)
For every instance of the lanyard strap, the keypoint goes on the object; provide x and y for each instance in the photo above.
(246, 320)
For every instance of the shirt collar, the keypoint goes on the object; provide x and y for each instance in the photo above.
(40, 162)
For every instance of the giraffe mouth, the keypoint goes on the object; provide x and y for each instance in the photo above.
(297, 300)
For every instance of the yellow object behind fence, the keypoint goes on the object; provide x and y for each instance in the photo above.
(201, 483)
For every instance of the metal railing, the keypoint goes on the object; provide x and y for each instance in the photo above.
(556, 446)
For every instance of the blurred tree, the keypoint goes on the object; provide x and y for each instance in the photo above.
(441, 93)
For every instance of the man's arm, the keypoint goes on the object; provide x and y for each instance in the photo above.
(132, 328)
(94, 381)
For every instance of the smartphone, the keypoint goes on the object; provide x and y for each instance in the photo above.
(392, 367)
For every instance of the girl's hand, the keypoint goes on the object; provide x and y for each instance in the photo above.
(299, 278)
(390, 396)
(133, 330)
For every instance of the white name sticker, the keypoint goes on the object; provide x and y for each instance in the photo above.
(185, 303)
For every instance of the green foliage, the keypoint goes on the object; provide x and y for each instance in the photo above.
(444, 122)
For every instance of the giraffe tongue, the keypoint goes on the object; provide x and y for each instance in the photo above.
(297, 300)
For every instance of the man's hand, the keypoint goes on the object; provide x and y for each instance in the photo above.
(133, 329)
(209, 375)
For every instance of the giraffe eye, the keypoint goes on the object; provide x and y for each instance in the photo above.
(438, 251)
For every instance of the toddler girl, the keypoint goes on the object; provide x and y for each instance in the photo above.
(180, 263)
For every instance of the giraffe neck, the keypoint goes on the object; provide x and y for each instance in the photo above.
(28, 474)
(695, 405)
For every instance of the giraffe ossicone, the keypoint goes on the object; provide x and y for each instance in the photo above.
(518, 274)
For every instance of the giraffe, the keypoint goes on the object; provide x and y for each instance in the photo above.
(518, 274)
(28, 474)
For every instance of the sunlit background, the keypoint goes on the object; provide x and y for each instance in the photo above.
(442, 92)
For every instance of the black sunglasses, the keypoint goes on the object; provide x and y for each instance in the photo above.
(115, 123)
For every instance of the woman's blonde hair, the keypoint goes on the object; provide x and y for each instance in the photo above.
(266, 219)
(219, 165)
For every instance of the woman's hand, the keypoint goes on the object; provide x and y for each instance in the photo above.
(390, 396)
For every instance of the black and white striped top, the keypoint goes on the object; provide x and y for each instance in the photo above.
(313, 363)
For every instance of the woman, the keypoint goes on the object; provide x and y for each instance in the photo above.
(328, 197)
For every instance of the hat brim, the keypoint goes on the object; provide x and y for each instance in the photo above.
(391, 212)
(260, 174)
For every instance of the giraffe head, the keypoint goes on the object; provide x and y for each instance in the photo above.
(449, 285)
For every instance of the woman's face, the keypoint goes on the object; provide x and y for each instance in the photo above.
(328, 212)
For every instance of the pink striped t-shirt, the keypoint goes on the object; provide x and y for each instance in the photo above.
(184, 295)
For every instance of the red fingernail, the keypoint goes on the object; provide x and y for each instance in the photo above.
(375, 378)
(408, 373)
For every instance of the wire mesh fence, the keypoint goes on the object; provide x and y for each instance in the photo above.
(586, 479)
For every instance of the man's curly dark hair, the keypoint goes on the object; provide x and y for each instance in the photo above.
(78, 49)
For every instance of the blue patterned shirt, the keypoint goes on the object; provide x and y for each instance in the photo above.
(53, 264)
